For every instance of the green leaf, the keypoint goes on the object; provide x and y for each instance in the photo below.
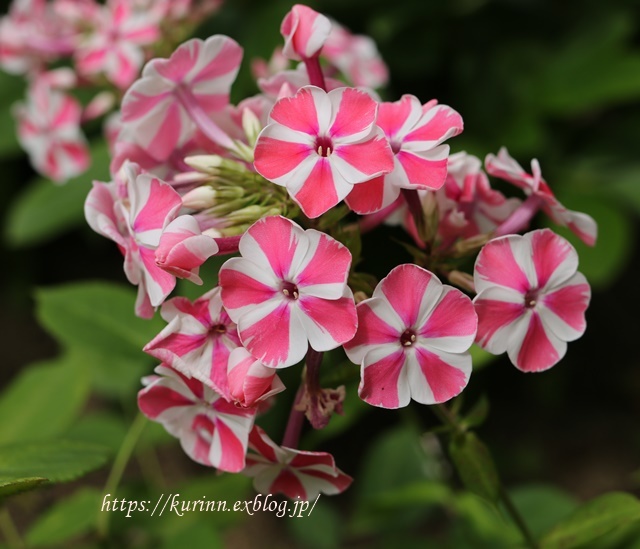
(593, 519)
(10, 487)
(44, 209)
(480, 357)
(99, 428)
(542, 506)
(475, 466)
(57, 461)
(322, 529)
(478, 413)
(43, 400)
(69, 518)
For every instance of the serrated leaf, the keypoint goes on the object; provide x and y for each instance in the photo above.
(43, 400)
(475, 466)
(45, 210)
(592, 520)
(96, 317)
(57, 461)
(8, 488)
(69, 518)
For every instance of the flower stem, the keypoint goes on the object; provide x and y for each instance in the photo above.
(314, 70)
(415, 209)
(9, 531)
(448, 418)
(296, 420)
(118, 467)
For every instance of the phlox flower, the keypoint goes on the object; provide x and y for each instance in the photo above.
(250, 382)
(133, 211)
(468, 206)
(531, 299)
(412, 340)
(174, 96)
(49, 130)
(114, 46)
(294, 473)
(319, 145)
(305, 32)
(211, 430)
(288, 291)
(197, 340)
(505, 167)
(416, 133)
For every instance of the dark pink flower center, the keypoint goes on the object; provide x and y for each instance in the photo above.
(531, 298)
(408, 338)
(324, 146)
(218, 329)
(290, 290)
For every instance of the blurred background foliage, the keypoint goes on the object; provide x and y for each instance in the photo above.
(558, 81)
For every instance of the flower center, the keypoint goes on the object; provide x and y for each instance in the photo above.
(218, 329)
(408, 338)
(290, 290)
(531, 298)
(324, 146)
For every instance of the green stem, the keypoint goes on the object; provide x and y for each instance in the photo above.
(9, 530)
(119, 465)
(517, 518)
(450, 420)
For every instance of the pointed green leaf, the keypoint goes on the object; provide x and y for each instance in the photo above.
(57, 461)
(44, 209)
(43, 400)
(592, 520)
(475, 466)
(69, 518)
(10, 487)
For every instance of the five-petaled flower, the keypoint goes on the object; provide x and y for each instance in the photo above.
(531, 299)
(294, 473)
(212, 431)
(412, 340)
(319, 145)
(288, 290)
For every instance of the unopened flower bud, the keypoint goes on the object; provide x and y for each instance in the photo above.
(251, 126)
(200, 198)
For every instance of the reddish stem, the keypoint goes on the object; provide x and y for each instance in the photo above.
(296, 420)
(228, 244)
(314, 70)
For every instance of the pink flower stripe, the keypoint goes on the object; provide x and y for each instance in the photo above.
(250, 381)
(288, 290)
(162, 110)
(197, 340)
(415, 133)
(505, 167)
(319, 145)
(412, 340)
(211, 430)
(530, 300)
(294, 473)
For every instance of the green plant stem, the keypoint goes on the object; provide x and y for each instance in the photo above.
(9, 530)
(450, 420)
(517, 518)
(119, 465)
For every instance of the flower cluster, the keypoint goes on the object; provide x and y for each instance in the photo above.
(103, 46)
(195, 176)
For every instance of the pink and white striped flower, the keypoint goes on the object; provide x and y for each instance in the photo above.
(133, 211)
(412, 340)
(175, 96)
(305, 32)
(319, 145)
(197, 340)
(416, 133)
(183, 248)
(467, 204)
(211, 430)
(287, 291)
(114, 46)
(49, 130)
(250, 381)
(294, 473)
(531, 299)
(536, 188)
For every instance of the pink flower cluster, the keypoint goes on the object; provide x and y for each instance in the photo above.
(195, 176)
(106, 45)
